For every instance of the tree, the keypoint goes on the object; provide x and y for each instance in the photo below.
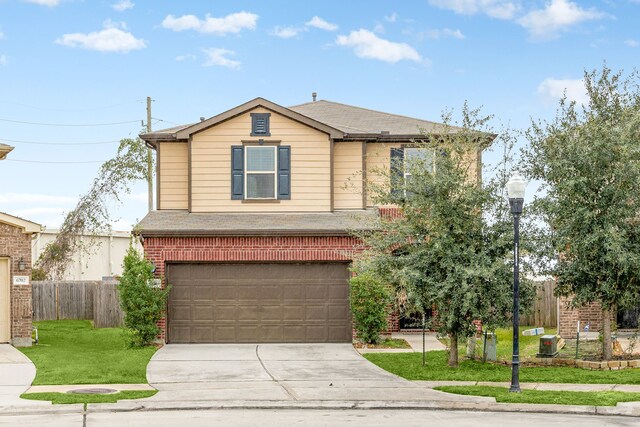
(92, 213)
(451, 245)
(588, 159)
(143, 303)
(370, 300)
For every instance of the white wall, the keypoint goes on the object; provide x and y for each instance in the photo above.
(103, 255)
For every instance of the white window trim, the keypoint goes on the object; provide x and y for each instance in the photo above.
(274, 173)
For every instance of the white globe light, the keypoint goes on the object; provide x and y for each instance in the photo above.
(516, 186)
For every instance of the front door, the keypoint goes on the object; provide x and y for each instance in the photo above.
(5, 306)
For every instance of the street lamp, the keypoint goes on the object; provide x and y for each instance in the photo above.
(515, 191)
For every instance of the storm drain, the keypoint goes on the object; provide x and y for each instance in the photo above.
(93, 391)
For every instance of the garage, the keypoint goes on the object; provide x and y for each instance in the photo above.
(258, 303)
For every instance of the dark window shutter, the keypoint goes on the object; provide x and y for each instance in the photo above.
(284, 172)
(260, 124)
(397, 173)
(237, 172)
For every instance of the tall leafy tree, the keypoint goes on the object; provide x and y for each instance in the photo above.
(93, 212)
(451, 245)
(588, 161)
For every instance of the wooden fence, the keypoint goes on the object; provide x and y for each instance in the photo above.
(86, 300)
(545, 307)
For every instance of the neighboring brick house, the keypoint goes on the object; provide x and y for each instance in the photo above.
(254, 212)
(15, 279)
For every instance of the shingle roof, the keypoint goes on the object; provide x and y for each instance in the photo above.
(355, 120)
(180, 223)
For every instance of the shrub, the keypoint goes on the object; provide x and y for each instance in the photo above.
(370, 299)
(142, 302)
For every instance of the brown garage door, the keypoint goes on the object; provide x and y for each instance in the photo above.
(233, 303)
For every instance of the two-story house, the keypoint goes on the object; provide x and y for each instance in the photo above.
(254, 209)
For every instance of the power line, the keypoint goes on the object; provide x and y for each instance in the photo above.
(166, 121)
(58, 143)
(54, 162)
(105, 107)
(68, 125)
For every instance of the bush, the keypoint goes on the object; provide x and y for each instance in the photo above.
(142, 302)
(370, 299)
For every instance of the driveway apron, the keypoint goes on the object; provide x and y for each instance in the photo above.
(277, 372)
(16, 375)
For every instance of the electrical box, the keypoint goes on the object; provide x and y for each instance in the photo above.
(490, 346)
(548, 346)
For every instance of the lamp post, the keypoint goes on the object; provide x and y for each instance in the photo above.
(515, 191)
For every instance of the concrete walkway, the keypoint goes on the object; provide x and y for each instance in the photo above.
(278, 372)
(415, 341)
(538, 386)
(16, 375)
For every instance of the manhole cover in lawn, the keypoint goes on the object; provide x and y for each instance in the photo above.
(93, 391)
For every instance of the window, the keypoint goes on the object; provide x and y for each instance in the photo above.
(417, 157)
(260, 124)
(260, 172)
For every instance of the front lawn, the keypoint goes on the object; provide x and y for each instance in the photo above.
(73, 352)
(66, 398)
(409, 366)
(592, 398)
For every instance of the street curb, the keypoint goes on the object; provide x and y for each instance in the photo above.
(623, 409)
(133, 406)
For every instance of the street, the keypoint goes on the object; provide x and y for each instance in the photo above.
(287, 417)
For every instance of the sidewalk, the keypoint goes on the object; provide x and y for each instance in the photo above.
(538, 386)
(16, 374)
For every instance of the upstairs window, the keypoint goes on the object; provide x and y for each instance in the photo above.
(402, 160)
(260, 172)
(417, 156)
(260, 124)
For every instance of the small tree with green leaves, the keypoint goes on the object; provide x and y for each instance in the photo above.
(588, 160)
(370, 302)
(451, 246)
(143, 303)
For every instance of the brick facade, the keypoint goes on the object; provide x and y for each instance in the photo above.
(16, 245)
(163, 250)
(589, 314)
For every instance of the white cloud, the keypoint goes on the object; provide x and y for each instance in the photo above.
(320, 23)
(1, 35)
(232, 23)
(185, 57)
(379, 28)
(109, 39)
(36, 198)
(632, 43)
(217, 57)
(50, 3)
(556, 88)
(445, 32)
(3, 60)
(391, 18)
(558, 15)
(367, 45)
(123, 5)
(285, 32)
(501, 9)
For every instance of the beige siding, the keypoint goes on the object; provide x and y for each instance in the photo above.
(347, 175)
(174, 176)
(378, 160)
(211, 166)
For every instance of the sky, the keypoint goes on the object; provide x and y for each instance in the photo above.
(75, 74)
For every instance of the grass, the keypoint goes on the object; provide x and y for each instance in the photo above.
(528, 345)
(68, 398)
(592, 398)
(73, 352)
(409, 366)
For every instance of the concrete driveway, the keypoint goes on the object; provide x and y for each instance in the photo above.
(16, 375)
(277, 372)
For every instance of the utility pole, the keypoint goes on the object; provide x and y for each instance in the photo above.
(149, 158)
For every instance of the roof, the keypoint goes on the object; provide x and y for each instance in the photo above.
(27, 226)
(180, 223)
(184, 132)
(4, 150)
(358, 120)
